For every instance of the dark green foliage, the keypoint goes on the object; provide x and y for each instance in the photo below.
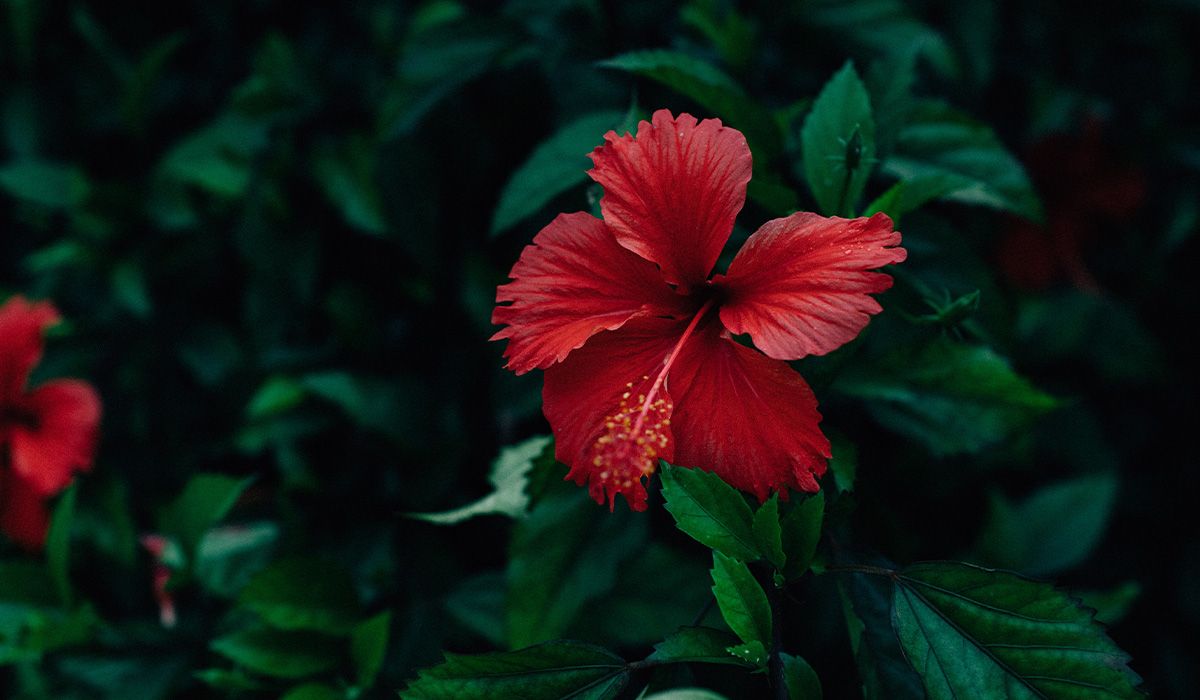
(275, 231)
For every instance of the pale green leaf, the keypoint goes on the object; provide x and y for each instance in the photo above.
(510, 479)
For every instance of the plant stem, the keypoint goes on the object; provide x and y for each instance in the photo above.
(775, 659)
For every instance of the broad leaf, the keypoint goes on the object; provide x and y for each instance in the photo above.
(1052, 530)
(768, 533)
(552, 671)
(303, 593)
(801, 529)
(881, 664)
(58, 544)
(802, 680)
(368, 646)
(556, 165)
(49, 184)
(953, 397)
(742, 601)
(992, 635)
(313, 691)
(697, 644)
(685, 694)
(347, 175)
(279, 653)
(879, 27)
(711, 511)
(509, 477)
(838, 140)
(205, 500)
(714, 91)
(941, 141)
(564, 555)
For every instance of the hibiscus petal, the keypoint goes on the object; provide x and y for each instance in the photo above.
(599, 385)
(573, 282)
(750, 419)
(66, 413)
(672, 193)
(799, 285)
(23, 514)
(21, 327)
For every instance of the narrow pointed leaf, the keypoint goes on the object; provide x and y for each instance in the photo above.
(802, 680)
(555, 166)
(742, 601)
(552, 671)
(953, 397)
(710, 87)
(993, 635)
(941, 141)
(279, 653)
(838, 140)
(801, 529)
(768, 532)
(58, 544)
(711, 511)
(303, 593)
(205, 500)
(697, 644)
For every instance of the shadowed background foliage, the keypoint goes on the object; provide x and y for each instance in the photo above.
(275, 232)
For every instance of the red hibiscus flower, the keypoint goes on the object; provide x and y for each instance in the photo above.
(637, 340)
(47, 434)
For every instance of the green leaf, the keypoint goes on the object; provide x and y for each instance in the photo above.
(303, 593)
(713, 90)
(844, 463)
(801, 529)
(277, 394)
(58, 545)
(950, 150)
(802, 680)
(558, 164)
(838, 141)
(552, 671)
(313, 691)
(867, 604)
(368, 647)
(1110, 605)
(228, 556)
(217, 158)
(1054, 529)
(742, 601)
(953, 397)
(563, 556)
(53, 185)
(880, 27)
(767, 533)
(477, 602)
(984, 634)
(909, 195)
(205, 500)
(753, 653)
(711, 511)
(346, 172)
(509, 477)
(279, 653)
(685, 694)
(697, 644)
(439, 59)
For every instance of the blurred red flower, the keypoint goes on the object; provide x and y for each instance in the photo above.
(1082, 187)
(47, 434)
(637, 340)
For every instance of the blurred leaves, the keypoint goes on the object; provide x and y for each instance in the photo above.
(946, 150)
(558, 164)
(950, 396)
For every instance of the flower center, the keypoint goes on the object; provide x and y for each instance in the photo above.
(637, 431)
